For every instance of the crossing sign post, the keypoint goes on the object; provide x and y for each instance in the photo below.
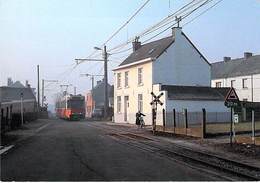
(154, 103)
(232, 101)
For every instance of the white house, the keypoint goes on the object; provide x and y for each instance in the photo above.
(243, 74)
(171, 61)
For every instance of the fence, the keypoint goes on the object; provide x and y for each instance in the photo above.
(252, 128)
(185, 123)
(202, 123)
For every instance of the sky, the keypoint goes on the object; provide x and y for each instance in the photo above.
(52, 33)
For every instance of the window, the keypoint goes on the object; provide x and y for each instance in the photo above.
(118, 104)
(233, 83)
(126, 78)
(244, 83)
(218, 84)
(140, 102)
(118, 80)
(140, 76)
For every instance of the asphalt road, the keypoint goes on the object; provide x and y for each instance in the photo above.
(85, 151)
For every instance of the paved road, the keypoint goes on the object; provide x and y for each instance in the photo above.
(85, 151)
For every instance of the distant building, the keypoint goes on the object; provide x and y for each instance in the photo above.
(89, 104)
(243, 74)
(95, 99)
(167, 65)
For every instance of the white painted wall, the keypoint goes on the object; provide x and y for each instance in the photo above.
(132, 91)
(181, 64)
(243, 93)
(191, 106)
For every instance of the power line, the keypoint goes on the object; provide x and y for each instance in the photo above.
(127, 22)
(203, 12)
(200, 4)
(164, 21)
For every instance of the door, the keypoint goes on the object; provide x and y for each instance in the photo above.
(126, 105)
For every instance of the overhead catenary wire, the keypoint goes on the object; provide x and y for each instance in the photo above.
(126, 23)
(120, 28)
(184, 11)
(184, 16)
(168, 18)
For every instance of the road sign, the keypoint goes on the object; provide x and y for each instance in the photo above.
(236, 118)
(232, 99)
(156, 99)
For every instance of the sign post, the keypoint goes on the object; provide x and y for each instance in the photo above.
(154, 103)
(21, 108)
(232, 101)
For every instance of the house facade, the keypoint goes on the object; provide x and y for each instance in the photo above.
(243, 74)
(95, 98)
(171, 61)
(89, 103)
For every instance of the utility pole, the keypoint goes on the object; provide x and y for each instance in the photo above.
(105, 60)
(42, 92)
(21, 108)
(43, 87)
(38, 88)
(75, 90)
(66, 92)
(106, 83)
(67, 86)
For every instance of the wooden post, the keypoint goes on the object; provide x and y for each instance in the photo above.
(174, 119)
(203, 123)
(253, 126)
(164, 119)
(186, 119)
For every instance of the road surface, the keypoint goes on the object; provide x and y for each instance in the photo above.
(90, 151)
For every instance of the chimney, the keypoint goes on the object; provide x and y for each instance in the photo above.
(248, 55)
(26, 83)
(98, 82)
(176, 32)
(226, 59)
(9, 81)
(136, 44)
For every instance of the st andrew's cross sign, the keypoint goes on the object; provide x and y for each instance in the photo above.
(156, 99)
(154, 103)
(232, 99)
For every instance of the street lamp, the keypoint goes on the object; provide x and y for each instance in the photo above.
(97, 48)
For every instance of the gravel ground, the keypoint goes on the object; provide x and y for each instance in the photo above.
(242, 149)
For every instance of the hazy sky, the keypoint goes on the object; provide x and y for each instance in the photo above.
(52, 33)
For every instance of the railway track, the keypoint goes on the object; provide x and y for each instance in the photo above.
(188, 155)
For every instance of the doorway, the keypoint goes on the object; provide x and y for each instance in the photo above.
(126, 105)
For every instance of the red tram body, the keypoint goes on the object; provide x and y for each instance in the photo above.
(71, 107)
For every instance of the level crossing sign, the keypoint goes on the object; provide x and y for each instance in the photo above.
(232, 99)
(156, 99)
(154, 103)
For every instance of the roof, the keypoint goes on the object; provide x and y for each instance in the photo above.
(150, 50)
(10, 93)
(17, 84)
(98, 93)
(236, 67)
(195, 92)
